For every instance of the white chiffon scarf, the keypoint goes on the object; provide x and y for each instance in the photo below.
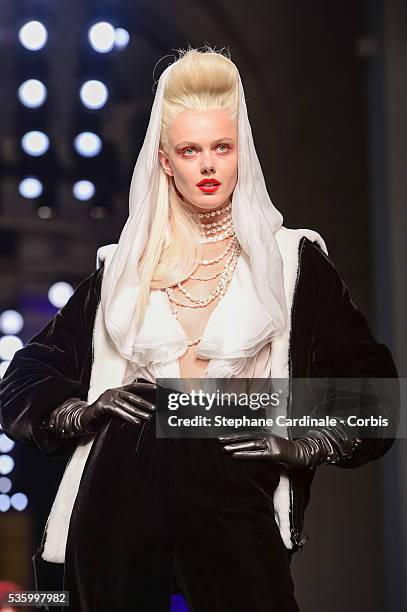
(252, 311)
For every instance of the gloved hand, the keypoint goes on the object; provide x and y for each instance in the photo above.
(320, 446)
(75, 417)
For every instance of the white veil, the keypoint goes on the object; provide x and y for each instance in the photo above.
(254, 217)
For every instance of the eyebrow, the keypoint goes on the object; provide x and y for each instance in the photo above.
(196, 144)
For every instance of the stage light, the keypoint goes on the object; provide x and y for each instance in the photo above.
(88, 144)
(83, 190)
(98, 212)
(3, 367)
(121, 38)
(9, 345)
(33, 35)
(6, 445)
(30, 187)
(5, 503)
(19, 501)
(94, 94)
(45, 212)
(32, 93)
(35, 143)
(5, 484)
(6, 464)
(59, 293)
(11, 322)
(102, 36)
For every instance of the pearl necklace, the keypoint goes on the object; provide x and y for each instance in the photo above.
(217, 223)
(219, 290)
(216, 235)
(208, 262)
(213, 213)
(205, 278)
(220, 287)
(226, 274)
(218, 230)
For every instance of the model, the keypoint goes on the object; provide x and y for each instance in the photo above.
(205, 282)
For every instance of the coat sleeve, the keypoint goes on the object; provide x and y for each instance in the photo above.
(48, 370)
(344, 348)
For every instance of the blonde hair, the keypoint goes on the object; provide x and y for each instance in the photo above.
(202, 79)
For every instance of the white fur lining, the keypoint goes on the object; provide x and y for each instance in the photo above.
(108, 371)
(288, 241)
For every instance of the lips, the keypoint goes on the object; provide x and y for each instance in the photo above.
(210, 182)
(209, 185)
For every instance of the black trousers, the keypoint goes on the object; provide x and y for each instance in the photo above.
(189, 515)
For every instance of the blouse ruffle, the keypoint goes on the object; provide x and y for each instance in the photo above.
(237, 330)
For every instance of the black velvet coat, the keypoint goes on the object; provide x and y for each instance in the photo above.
(329, 338)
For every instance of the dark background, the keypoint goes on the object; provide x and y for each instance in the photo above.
(326, 90)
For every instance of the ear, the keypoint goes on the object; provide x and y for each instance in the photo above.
(165, 162)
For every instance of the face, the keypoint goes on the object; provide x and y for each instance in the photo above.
(202, 145)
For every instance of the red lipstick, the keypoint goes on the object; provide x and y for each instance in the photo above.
(209, 185)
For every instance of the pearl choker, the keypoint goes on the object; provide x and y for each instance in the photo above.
(213, 213)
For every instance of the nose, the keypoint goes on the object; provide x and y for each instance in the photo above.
(207, 165)
(208, 169)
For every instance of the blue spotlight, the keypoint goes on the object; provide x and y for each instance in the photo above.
(83, 190)
(59, 293)
(88, 144)
(94, 94)
(32, 93)
(33, 35)
(11, 322)
(30, 187)
(35, 143)
(102, 37)
(121, 38)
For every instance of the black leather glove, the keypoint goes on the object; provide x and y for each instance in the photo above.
(75, 417)
(320, 446)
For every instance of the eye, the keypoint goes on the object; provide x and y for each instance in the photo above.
(226, 147)
(188, 149)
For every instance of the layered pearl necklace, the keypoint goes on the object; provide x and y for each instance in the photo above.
(211, 232)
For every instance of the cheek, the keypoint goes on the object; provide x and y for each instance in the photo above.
(184, 175)
(231, 170)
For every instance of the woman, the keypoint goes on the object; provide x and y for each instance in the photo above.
(205, 283)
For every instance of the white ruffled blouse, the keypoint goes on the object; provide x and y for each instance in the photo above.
(236, 341)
